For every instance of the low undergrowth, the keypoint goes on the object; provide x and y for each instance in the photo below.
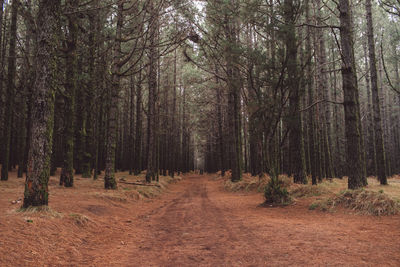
(361, 201)
(41, 211)
(156, 189)
(303, 191)
(330, 193)
(275, 193)
(250, 183)
(135, 188)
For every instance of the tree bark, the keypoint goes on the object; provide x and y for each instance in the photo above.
(88, 157)
(26, 93)
(131, 141)
(109, 179)
(173, 163)
(152, 80)
(234, 85)
(296, 142)
(379, 142)
(309, 83)
(221, 146)
(138, 133)
(2, 59)
(36, 184)
(354, 148)
(9, 105)
(67, 171)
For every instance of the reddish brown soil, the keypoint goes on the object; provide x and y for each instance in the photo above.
(195, 223)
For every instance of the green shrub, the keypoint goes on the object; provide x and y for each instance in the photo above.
(313, 206)
(324, 205)
(275, 194)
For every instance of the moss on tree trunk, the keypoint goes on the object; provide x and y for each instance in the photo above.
(36, 184)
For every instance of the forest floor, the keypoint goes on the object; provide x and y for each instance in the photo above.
(195, 222)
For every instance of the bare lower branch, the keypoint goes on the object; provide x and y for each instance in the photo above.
(321, 101)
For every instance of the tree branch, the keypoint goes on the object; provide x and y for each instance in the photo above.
(321, 101)
(386, 72)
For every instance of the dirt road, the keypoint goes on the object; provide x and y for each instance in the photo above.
(198, 224)
(195, 222)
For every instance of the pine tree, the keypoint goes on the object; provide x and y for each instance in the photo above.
(354, 151)
(10, 91)
(379, 142)
(36, 184)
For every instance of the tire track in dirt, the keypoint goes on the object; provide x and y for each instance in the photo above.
(191, 230)
(187, 229)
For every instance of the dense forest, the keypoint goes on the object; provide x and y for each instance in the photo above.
(308, 88)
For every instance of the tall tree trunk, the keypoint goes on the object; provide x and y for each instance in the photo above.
(355, 164)
(221, 156)
(88, 157)
(323, 93)
(26, 90)
(174, 130)
(80, 123)
(338, 126)
(309, 83)
(131, 126)
(152, 80)
(296, 142)
(379, 142)
(109, 179)
(255, 131)
(36, 184)
(67, 171)
(397, 73)
(234, 85)
(10, 91)
(99, 78)
(138, 134)
(371, 155)
(185, 143)
(2, 59)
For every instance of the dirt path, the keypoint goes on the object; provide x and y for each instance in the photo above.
(199, 224)
(191, 229)
(194, 223)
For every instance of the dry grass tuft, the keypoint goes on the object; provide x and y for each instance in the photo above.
(133, 194)
(153, 191)
(247, 183)
(250, 183)
(133, 188)
(364, 202)
(41, 211)
(302, 191)
(111, 195)
(79, 219)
